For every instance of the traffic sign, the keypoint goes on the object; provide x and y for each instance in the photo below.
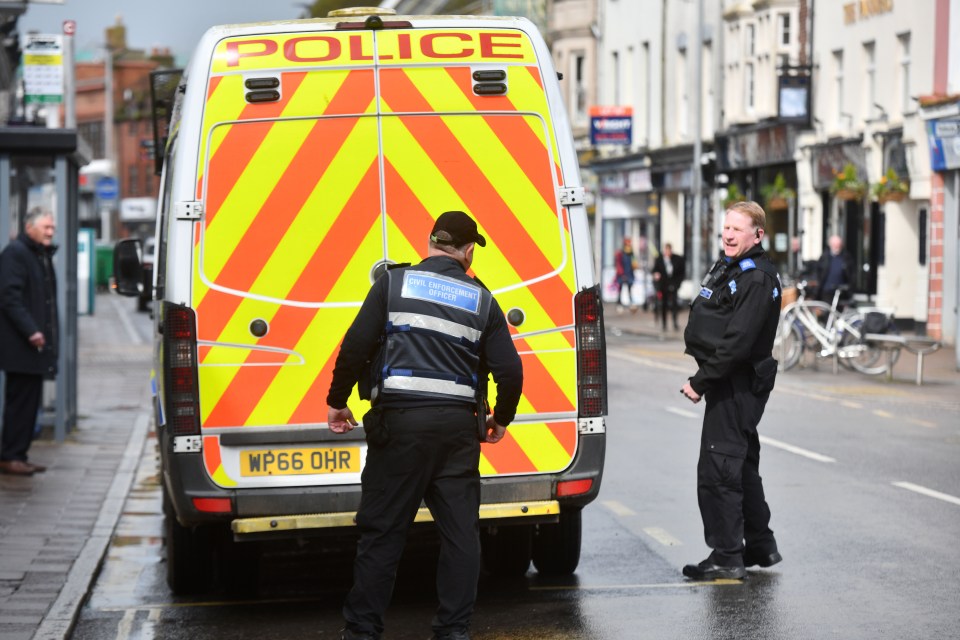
(69, 27)
(107, 188)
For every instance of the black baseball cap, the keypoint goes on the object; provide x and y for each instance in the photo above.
(457, 229)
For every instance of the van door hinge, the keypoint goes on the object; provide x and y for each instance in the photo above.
(571, 195)
(188, 210)
(187, 444)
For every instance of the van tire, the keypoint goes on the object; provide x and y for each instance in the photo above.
(507, 550)
(556, 547)
(189, 551)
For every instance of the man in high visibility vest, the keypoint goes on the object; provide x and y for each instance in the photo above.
(433, 333)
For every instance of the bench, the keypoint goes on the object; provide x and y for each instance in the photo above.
(892, 343)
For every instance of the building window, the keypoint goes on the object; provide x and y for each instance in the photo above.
(903, 41)
(838, 86)
(579, 88)
(749, 41)
(748, 86)
(683, 108)
(132, 179)
(783, 29)
(870, 90)
(643, 118)
(615, 67)
(92, 132)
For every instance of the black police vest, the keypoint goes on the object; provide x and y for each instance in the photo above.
(709, 316)
(432, 336)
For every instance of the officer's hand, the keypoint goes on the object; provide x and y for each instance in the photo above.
(340, 420)
(688, 391)
(495, 432)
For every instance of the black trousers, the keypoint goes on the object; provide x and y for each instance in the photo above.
(432, 455)
(668, 302)
(729, 487)
(24, 392)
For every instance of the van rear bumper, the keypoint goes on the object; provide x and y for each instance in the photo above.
(186, 479)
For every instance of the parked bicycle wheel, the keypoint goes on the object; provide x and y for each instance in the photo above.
(863, 356)
(789, 345)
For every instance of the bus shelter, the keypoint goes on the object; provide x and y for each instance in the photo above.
(39, 168)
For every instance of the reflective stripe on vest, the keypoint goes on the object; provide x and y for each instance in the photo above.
(446, 329)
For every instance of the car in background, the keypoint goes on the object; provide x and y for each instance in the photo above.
(146, 291)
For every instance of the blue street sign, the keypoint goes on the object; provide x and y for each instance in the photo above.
(107, 188)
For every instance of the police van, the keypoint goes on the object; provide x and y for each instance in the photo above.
(301, 159)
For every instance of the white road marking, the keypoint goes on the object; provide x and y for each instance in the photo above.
(851, 405)
(618, 508)
(909, 486)
(682, 412)
(125, 321)
(648, 362)
(819, 457)
(923, 423)
(882, 414)
(662, 536)
(125, 626)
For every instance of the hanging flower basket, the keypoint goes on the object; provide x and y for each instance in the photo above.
(777, 203)
(777, 194)
(895, 196)
(890, 188)
(849, 194)
(846, 185)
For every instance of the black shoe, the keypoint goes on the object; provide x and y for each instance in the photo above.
(350, 634)
(451, 635)
(761, 559)
(706, 570)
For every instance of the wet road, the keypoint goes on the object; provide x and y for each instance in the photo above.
(869, 550)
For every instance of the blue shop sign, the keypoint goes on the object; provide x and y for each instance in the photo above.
(943, 136)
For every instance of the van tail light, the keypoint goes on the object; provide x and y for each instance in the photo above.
(591, 354)
(179, 362)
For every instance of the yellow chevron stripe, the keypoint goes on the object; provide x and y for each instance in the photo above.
(424, 179)
(223, 106)
(220, 478)
(541, 446)
(320, 341)
(247, 196)
(527, 95)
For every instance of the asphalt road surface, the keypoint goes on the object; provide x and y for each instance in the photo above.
(862, 478)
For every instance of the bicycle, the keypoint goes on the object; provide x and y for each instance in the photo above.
(828, 332)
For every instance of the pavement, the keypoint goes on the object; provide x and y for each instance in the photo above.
(941, 377)
(55, 527)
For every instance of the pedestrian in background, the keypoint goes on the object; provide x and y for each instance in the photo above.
(433, 333)
(669, 271)
(625, 261)
(28, 336)
(834, 269)
(730, 333)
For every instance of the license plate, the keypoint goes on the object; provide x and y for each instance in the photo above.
(292, 462)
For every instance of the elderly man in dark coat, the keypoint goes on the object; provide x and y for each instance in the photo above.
(28, 336)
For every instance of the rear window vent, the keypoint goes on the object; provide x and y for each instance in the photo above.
(489, 82)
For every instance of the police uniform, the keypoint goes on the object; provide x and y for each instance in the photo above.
(430, 330)
(730, 332)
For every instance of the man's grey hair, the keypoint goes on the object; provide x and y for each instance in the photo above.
(33, 215)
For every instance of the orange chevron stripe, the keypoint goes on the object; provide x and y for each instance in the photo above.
(284, 203)
(238, 147)
(404, 208)
(211, 454)
(314, 283)
(566, 435)
(540, 388)
(517, 137)
(506, 456)
(481, 197)
(212, 86)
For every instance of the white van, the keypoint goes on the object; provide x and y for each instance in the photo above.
(303, 157)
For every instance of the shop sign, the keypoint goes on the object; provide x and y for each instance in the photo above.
(611, 125)
(767, 146)
(943, 137)
(832, 158)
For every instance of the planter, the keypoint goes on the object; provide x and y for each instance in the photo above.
(777, 203)
(893, 196)
(848, 194)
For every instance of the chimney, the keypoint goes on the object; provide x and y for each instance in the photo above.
(117, 35)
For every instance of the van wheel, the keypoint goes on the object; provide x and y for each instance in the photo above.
(507, 550)
(556, 547)
(189, 553)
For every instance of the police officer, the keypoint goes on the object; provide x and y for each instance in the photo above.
(730, 333)
(433, 333)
